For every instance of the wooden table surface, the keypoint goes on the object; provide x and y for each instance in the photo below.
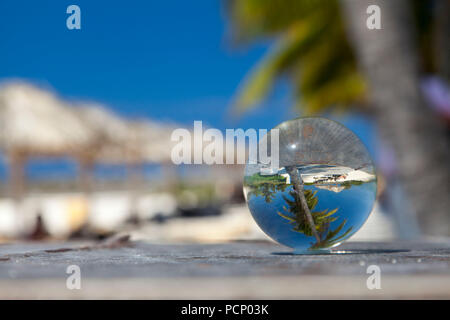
(241, 269)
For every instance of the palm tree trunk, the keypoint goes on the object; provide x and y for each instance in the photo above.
(388, 59)
(297, 181)
(442, 34)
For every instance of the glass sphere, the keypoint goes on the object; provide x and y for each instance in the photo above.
(322, 190)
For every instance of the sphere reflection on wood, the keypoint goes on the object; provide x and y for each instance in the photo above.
(323, 190)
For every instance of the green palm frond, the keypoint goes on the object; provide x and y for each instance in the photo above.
(312, 50)
(295, 216)
(253, 19)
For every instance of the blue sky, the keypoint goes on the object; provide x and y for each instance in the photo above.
(162, 59)
(168, 60)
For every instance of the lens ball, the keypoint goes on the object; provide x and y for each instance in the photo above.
(322, 190)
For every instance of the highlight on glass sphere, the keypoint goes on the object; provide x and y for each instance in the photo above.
(322, 191)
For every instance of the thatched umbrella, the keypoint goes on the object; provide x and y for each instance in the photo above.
(154, 141)
(120, 141)
(110, 138)
(132, 143)
(35, 122)
(151, 140)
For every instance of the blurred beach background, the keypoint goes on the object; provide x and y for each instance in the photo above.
(86, 115)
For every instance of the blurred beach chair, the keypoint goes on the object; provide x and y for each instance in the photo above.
(108, 211)
(155, 205)
(9, 224)
(17, 219)
(62, 215)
